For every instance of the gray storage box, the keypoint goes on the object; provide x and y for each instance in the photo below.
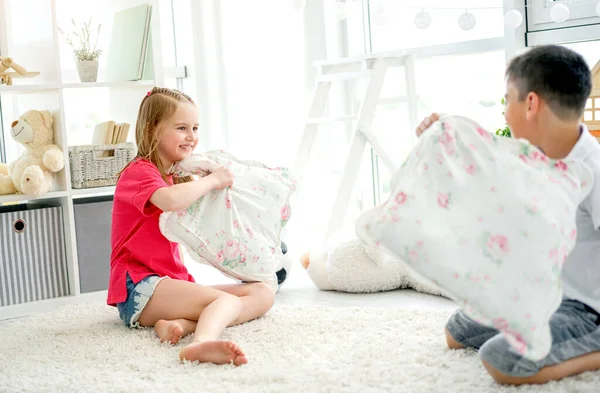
(33, 263)
(93, 218)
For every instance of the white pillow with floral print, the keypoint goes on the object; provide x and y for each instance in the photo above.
(237, 229)
(489, 220)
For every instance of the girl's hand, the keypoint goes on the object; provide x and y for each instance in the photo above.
(427, 122)
(222, 178)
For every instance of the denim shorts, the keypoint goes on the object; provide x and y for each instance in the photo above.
(138, 296)
(575, 330)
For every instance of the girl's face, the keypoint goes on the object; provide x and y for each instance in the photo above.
(178, 135)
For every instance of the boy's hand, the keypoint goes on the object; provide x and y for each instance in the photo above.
(427, 122)
(223, 178)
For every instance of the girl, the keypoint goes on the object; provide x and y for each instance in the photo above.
(149, 284)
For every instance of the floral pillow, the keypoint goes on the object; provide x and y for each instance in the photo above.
(237, 229)
(489, 220)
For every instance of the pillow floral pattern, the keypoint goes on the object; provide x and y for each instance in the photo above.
(237, 229)
(489, 220)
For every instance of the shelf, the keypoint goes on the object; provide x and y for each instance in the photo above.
(22, 89)
(91, 192)
(22, 197)
(76, 108)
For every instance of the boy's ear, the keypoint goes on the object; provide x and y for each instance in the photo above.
(534, 103)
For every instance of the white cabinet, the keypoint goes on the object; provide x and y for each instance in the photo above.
(582, 12)
(32, 39)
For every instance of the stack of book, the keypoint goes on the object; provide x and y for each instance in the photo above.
(110, 133)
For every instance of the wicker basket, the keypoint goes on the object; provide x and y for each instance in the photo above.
(91, 168)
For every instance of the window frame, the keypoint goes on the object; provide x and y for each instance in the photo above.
(510, 42)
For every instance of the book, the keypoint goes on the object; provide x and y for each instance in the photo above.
(129, 44)
(110, 133)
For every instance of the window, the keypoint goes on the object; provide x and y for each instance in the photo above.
(590, 51)
(471, 85)
(457, 71)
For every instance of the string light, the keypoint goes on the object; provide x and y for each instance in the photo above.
(513, 19)
(422, 20)
(467, 20)
(559, 12)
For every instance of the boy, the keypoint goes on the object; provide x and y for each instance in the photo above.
(546, 92)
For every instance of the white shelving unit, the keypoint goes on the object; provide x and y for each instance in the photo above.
(32, 40)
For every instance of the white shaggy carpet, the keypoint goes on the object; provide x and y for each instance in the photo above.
(85, 348)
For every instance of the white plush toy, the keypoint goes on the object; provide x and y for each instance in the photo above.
(33, 172)
(346, 264)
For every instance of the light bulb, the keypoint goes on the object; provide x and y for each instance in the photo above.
(513, 19)
(422, 20)
(467, 21)
(559, 13)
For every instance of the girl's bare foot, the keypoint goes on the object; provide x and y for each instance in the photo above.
(170, 331)
(218, 352)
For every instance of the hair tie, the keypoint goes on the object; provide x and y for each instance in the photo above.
(149, 93)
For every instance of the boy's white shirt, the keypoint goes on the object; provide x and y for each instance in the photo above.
(581, 271)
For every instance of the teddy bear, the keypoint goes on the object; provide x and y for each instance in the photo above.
(33, 172)
(347, 264)
(6, 184)
(6, 63)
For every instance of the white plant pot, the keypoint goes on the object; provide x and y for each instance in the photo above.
(87, 70)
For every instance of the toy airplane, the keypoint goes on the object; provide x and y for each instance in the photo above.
(7, 77)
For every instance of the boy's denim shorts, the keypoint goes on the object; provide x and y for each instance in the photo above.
(138, 296)
(575, 330)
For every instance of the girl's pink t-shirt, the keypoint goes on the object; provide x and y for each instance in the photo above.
(138, 246)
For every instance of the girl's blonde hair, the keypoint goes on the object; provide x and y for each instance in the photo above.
(159, 105)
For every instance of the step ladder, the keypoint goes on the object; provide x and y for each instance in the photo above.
(374, 67)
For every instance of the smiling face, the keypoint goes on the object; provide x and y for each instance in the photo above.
(178, 135)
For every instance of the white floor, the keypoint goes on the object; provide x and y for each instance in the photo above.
(299, 290)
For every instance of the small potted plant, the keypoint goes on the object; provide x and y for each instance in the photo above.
(506, 130)
(86, 54)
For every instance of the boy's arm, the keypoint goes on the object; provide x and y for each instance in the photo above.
(426, 123)
(592, 201)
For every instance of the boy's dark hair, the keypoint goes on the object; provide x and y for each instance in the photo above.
(560, 76)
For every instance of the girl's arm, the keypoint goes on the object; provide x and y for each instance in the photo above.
(181, 196)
